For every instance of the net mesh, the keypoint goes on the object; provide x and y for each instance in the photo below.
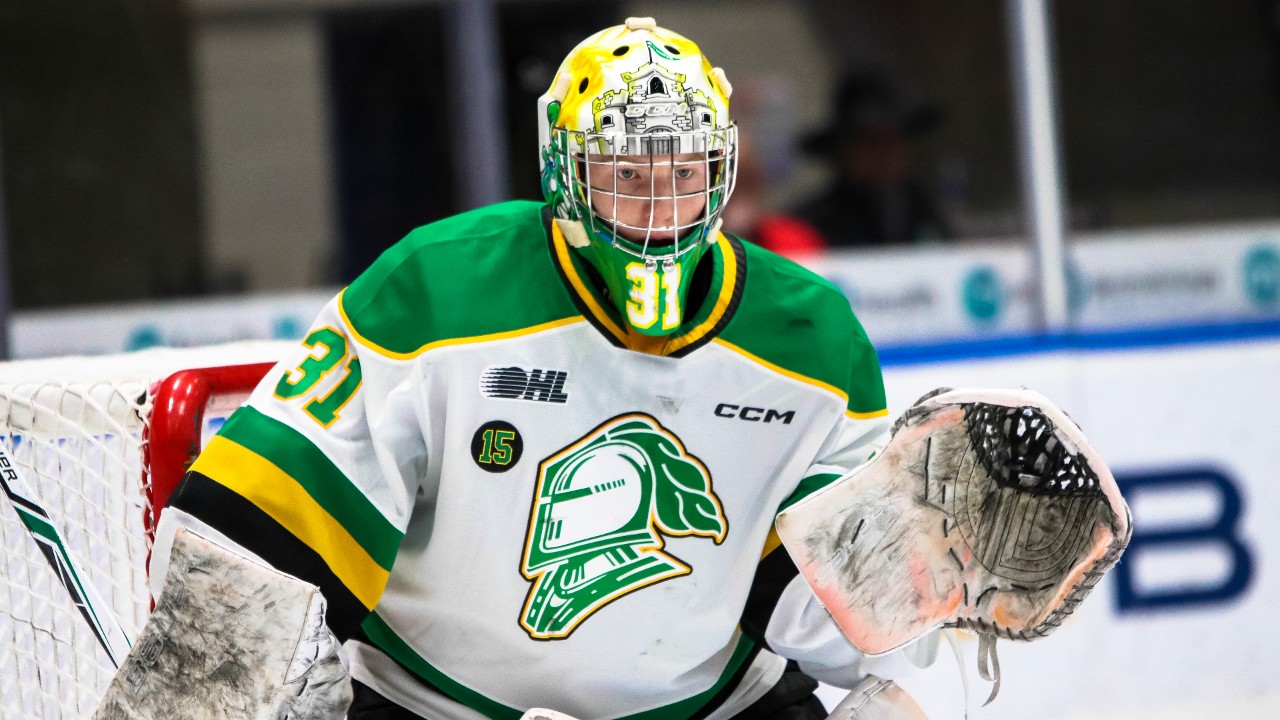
(74, 430)
(82, 463)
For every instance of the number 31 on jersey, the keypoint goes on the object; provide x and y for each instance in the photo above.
(654, 295)
(328, 351)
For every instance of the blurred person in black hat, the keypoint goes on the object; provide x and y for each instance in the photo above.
(875, 197)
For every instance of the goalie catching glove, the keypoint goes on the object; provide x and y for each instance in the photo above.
(230, 640)
(987, 510)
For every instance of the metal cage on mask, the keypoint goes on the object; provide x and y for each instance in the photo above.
(587, 157)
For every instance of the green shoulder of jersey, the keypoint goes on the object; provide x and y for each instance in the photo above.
(477, 274)
(488, 271)
(793, 318)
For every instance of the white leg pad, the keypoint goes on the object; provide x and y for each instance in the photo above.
(230, 638)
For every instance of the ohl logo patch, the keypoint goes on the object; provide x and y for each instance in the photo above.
(600, 509)
(513, 383)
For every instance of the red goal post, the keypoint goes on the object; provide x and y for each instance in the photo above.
(173, 438)
(92, 448)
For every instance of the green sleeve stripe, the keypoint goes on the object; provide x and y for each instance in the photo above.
(284, 500)
(376, 629)
(253, 528)
(807, 487)
(296, 456)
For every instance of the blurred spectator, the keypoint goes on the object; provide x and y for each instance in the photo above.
(748, 216)
(875, 197)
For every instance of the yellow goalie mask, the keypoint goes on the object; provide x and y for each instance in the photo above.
(638, 157)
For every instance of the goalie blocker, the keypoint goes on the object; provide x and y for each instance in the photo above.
(987, 510)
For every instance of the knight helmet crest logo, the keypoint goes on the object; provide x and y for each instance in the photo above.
(600, 509)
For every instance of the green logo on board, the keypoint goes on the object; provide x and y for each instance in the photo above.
(983, 294)
(1262, 275)
(600, 509)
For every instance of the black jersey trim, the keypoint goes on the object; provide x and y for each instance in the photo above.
(736, 278)
(246, 524)
(775, 571)
(730, 687)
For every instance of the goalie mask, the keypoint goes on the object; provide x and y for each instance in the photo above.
(638, 158)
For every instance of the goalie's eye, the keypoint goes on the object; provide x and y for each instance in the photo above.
(684, 173)
(627, 174)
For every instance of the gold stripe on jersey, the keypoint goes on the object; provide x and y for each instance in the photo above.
(771, 543)
(727, 284)
(281, 497)
(551, 325)
(805, 379)
(783, 371)
(579, 287)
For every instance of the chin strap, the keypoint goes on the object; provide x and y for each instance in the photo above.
(713, 235)
(573, 231)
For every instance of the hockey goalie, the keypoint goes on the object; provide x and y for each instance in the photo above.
(987, 510)
(533, 458)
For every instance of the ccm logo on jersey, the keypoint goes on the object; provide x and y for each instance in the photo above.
(755, 414)
(513, 383)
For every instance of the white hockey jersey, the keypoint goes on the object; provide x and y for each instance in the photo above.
(510, 502)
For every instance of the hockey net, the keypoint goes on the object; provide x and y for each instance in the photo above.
(95, 445)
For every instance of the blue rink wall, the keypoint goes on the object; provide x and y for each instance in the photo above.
(1186, 416)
